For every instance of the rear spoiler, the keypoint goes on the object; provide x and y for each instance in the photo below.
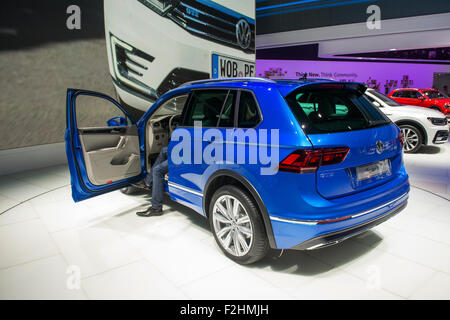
(355, 86)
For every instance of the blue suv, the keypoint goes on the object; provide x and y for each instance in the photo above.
(287, 164)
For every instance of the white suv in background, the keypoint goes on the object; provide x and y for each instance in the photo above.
(419, 126)
(156, 45)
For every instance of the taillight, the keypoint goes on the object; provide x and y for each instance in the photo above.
(401, 139)
(306, 161)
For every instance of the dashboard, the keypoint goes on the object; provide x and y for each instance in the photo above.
(158, 131)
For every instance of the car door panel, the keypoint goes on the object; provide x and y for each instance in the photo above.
(101, 158)
(400, 97)
(110, 155)
(186, 182)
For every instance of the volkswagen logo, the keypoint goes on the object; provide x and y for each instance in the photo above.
(380, 147)
(243, 34)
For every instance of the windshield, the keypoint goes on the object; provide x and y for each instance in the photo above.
(390, 102)
(326, 111)
(434, 94)
(172, 106)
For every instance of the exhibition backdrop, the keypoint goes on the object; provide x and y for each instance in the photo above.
(40, 57)
(379, 75)
(48, 46)
(45, 49)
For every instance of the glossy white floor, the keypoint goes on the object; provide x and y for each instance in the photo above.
(47, 243)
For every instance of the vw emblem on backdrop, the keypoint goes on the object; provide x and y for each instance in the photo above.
(243, 34)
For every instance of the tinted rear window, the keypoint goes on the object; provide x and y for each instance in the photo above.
(385, 99)
(326, 111)
(433, 94)
(248, 111)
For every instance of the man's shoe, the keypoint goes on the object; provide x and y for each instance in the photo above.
(150, 212)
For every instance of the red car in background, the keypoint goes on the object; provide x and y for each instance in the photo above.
(428, 98)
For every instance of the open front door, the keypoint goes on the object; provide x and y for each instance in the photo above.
(102, 144)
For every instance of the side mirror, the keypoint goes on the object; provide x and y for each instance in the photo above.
(421, 98)
(117, 122)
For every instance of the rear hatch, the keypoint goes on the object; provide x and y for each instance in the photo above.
(336, 115)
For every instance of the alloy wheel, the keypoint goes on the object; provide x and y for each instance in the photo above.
(232, 225)
(411, 139)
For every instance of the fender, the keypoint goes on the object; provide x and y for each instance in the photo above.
(418, 125)
(253, 192)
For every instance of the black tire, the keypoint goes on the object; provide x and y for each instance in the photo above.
(259, 245)
(130, 190)
(407, 147)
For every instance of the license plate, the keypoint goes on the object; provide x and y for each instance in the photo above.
(226, 67)
(375, 169)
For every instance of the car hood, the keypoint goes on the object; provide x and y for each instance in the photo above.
(417, 111)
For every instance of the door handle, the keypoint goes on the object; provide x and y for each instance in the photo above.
(121, 143)
(114, 131)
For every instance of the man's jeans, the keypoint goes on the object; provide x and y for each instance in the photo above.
(155, 179)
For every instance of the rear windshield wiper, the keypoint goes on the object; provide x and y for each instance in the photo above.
(376, 123)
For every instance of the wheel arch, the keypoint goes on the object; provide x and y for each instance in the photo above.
(435, 107)
(224, 177)
(417, 125)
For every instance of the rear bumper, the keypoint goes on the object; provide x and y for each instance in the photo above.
(335, 237)
(312, 234)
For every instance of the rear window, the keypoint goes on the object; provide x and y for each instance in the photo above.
(384, 98)
(326, 111)
(434, 94)
(411, 94)
(248, 111)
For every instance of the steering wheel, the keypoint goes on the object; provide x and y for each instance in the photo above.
(173, 122)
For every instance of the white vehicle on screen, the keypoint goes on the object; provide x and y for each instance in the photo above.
(156, 45)
(419, 126)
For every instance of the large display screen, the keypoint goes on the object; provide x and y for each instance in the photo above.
(288, 15)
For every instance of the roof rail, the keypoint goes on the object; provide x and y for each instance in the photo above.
(226, 80)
